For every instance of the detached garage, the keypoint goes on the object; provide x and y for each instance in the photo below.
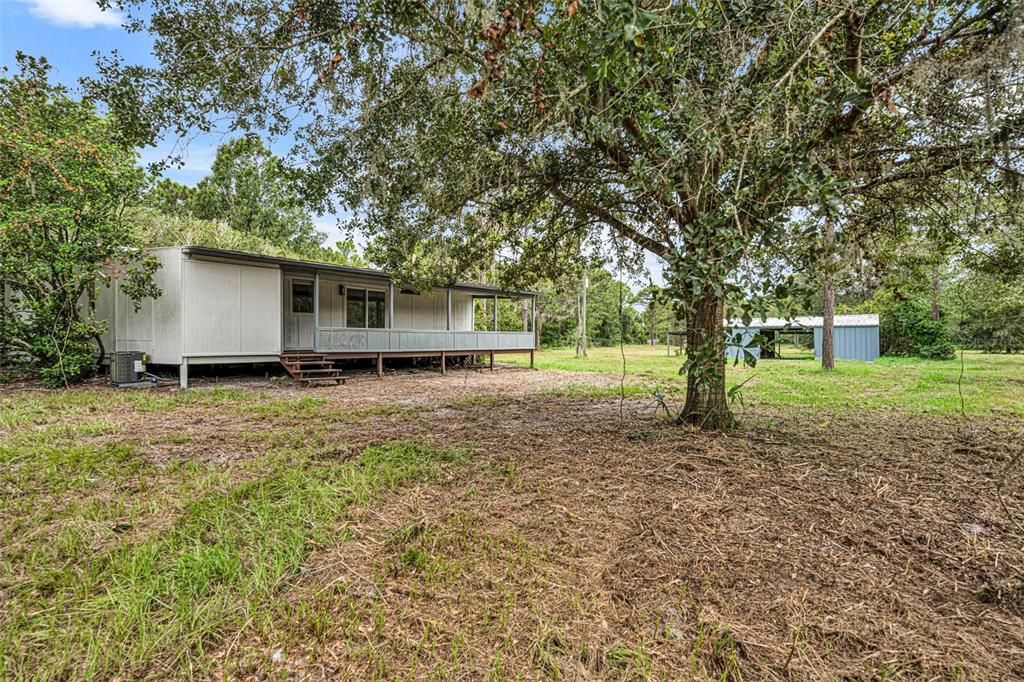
(855, 336)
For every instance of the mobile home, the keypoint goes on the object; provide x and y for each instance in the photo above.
(220, 307)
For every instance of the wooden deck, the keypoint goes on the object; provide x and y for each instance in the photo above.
(314, 367)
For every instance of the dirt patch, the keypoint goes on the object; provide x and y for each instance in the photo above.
(590, 539)
(806, 545)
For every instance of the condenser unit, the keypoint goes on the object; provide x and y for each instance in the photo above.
(127, 367)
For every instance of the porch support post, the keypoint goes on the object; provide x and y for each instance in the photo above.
(531, 358)
(183, 373)
(444, 362)
(391, 304)
(533, 320)
(448, 303)
(495, 312)
(380, 365)
(316, 310)
(492, 360)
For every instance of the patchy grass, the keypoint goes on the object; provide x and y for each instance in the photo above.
(114, 564)
(991, 383)
(281, 533)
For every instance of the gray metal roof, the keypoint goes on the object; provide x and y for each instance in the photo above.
(227, 254)
(805, 322)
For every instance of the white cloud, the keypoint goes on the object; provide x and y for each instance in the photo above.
(76, 13)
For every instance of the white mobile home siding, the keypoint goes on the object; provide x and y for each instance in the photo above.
(220, 306)
(231, 309)
(155, 329)
(429, 312)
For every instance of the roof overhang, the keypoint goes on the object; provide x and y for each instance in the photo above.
(206, 252)
(805, 323)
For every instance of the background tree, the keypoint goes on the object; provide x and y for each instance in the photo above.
(986, 290)
(254, 192)
(689, 129)
(170, 198)
(582, 305)
(989, 312)
(154, 228)
(66, 178)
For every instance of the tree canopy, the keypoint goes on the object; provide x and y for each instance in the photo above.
(691, 130)
(250, 189)
(66, 179)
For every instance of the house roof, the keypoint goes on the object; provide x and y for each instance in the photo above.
(806, 322)
(296, 264)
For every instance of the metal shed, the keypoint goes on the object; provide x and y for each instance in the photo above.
(855, 337)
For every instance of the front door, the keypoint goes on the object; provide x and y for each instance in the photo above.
(298, 314)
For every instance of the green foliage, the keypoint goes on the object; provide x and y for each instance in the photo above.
(691, 130)
(155, 229)
(906, 326)
(603, 325)
(66, 178)
(169, 198)
(991, 312)
(252, 190)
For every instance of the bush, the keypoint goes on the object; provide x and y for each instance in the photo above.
(906, 327)
(991, 316)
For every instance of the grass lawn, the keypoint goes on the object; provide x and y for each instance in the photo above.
(515, 525)
(119, 560)
(991, 383)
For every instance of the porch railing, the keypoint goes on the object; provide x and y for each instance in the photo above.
(344, 339)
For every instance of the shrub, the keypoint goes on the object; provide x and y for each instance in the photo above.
(906, 327)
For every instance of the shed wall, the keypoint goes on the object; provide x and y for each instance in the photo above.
(851, 343)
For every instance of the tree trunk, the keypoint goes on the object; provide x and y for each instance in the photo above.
(581, 317)
(828, 360)
(3, 323)
(935, 297)
(652, 337)
(706, 405)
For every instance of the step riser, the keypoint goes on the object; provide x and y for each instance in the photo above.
(306, 368)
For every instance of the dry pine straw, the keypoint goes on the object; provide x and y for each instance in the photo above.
(804, 546)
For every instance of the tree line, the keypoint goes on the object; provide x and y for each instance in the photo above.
(745, 144)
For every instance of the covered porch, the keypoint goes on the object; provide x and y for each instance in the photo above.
(346, 313)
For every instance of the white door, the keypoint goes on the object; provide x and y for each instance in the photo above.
(298, 314)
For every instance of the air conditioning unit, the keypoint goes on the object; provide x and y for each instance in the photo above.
(127, 367)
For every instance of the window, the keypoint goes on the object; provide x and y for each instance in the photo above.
(302, 297)
(365, 308)
(355, 308)
(375, 309)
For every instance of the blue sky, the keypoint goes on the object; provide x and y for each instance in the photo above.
(67, 32)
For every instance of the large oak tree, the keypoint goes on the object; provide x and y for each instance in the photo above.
(690, 129)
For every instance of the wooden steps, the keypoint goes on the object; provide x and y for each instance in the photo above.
(309, 368)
